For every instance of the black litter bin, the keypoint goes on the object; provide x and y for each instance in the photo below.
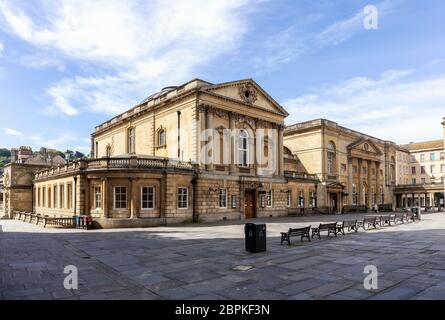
(255, 237)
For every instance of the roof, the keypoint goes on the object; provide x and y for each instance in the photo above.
(426, 145)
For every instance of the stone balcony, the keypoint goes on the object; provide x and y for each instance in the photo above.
(131, 162)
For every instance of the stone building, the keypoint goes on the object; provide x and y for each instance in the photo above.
(17, 179)
(196, 152)
(211, 152)
(424, 185)
(353, 169)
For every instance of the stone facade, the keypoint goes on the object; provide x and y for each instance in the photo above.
(354, 169)
(17, 179)
(150, 165)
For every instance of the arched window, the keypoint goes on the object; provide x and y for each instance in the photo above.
(161, 137)
(131, 138)
(243, 148)
(331, 158)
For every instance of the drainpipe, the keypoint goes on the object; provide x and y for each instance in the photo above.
(179, 135)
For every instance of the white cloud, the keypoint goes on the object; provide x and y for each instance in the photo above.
(41, 61)
(396, 106)
(142, 45)
(343, 30)
(12, 132)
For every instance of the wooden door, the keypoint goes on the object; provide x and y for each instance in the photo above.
(249, 204)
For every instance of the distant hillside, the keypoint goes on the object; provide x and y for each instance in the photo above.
(5, 157)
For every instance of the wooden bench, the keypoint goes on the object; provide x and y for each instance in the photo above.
(370, 221)
(329, 227)
(299, 232)
(385, 220)
(350, 224)
(392, 219)
(400, 217)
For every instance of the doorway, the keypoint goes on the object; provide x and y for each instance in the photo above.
(249, 204)
(334, 202)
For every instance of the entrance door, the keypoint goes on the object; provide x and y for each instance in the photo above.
(249, 204)
(334, 206)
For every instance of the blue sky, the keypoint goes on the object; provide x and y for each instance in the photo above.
(66, 66)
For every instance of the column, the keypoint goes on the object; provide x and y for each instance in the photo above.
(133, 198)
(350, 180)
(280, 149)
(377, 182)
(360, 183)
(209, 126)
(413, 201)
(233, 143)
(202, 143)
(105, 197)
(433, 204)
(426, 201)
(87, 197)
(369, 184)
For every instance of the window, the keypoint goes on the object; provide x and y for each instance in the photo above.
(97, 197)
(373, 171)
(413, 158)
(183, 198)
(223, 198)
(161, 137)
(422, 157)
(97, 150)
(243, 148)
(343, 167)
(423, 180)
(301, 199)
(131, 140)
(120, 197)
(364, 170)
(354, 169)
(382, 195)
(62, 196)
(422, 170)
(312, 199)
(55, 204)
(413, 170)
(289, 198)
(148, 198)
(69, 198)
(442, 155)
(442, 168)
(432, 169)
(269, 200)
(413, 181)
(331, 158)
(432, 156)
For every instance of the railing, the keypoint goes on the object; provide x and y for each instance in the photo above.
(300, 175)
(115, 163)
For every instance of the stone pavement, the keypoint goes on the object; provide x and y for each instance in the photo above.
(199, 262)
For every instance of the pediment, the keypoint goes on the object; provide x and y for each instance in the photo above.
(366, 147)
(247, 92)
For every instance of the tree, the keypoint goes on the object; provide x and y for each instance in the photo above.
(5, 152)
(79, 155)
